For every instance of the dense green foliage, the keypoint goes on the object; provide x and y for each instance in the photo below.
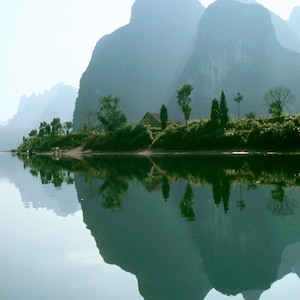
(262, 134)
(184, 100)
(111, 114)
(257, 134)
(124, 138)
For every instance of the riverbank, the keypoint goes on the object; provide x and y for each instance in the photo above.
(244, 137)
(79, 153)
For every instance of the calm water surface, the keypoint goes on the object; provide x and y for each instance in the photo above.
(161, 228)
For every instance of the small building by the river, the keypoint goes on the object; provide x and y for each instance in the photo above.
(153, 119)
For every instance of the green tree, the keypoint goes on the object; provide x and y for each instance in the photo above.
(184, 99)
(163, 117)
(277, 99)
(215, 111)
(238, 99)
(223, 111)
(33, 133)
(44, 129)
(111, 115)
(56, 127)
(250, 115)
(68, 126)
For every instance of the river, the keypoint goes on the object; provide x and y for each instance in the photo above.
(161, 227)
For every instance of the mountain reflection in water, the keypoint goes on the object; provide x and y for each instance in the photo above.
(187, 224)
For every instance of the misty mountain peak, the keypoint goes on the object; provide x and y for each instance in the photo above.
(294, 21)
(247, 1)
(145, 11)
(230, 19)
(295, 13)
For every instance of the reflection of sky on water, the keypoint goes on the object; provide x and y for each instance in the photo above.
(43, 252)
(286, 288)
(62, 201)
(44, 256)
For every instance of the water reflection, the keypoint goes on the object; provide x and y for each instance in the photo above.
(187, 225)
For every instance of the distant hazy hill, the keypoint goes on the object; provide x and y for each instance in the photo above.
(285, 34)
(138, 61)
(57, 102)
(237, 50)
(294, 21)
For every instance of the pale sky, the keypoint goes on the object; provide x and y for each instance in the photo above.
(51, 41)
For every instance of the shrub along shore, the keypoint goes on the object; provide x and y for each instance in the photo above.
(259, 134)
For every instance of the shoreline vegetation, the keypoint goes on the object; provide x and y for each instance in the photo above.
(78, 153)
(218, 134)
(261, 136)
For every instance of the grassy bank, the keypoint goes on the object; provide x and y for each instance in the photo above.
(270, 134)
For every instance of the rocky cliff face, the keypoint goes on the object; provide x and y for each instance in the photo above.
(138, 61)
(237, 50)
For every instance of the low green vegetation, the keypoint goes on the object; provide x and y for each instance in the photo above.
(219, 132)
(249, 134)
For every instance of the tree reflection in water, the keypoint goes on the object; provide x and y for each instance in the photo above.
(186, 205)
(112, 191)
(165, 188)
(279, 203)
(221, 172)
(232, 247)
(221, 190)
